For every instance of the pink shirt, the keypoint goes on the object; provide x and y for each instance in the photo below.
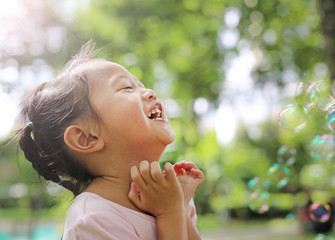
(93, 217)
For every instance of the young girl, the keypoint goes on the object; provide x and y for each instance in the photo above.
(97, 131)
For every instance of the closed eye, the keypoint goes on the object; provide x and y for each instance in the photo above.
(129, 87)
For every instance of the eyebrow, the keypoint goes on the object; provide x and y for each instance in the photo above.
(139, 83)
(117, 78)
(120, 77)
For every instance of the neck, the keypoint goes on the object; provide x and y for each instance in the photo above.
(113, 189)
(121, 160)
(113, 176)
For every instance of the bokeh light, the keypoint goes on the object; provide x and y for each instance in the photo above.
(307, 95)
(319, 212)
(260, 203)
(322, 147)
(278, 175)
(293, 117)
(256, 186)
(331, 118)
(259, 197)
(286, 155)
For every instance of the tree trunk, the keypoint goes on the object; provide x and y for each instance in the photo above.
(327, 14)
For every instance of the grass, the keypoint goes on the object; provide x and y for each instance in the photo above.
(211, 228)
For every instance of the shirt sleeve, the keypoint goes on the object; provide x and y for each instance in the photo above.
(98, 227)
(192, 212)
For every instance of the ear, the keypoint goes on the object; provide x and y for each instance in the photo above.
(79, 140)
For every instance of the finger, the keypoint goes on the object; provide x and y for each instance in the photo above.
(137, 178)
(134, 196)
(156, 173)
(178, 169)
(145, 172)
(135, 188)
(189, 165)
(177, 166)
(169, 172)
(196, 172)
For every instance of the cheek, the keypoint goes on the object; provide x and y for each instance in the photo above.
(129, 118)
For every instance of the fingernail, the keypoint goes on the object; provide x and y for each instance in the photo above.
(145, 163)
(167, 164)
(132, 171)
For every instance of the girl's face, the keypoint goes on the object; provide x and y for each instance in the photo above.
(130, 115)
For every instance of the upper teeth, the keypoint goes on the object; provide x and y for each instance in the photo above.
(155, 113)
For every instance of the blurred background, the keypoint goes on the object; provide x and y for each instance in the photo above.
(247, 85)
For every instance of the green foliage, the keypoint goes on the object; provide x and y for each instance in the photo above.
(176, 48)
(169, 43)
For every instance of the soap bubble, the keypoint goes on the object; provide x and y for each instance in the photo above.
(331, 118)
(286, 155)
(256, 187)
(308, 94)
(312, 95)
(293, 117)
(320, 212)
(317, 117)
(333, 88)
(314, 98)
(323, 147)
(260, 203)
(278, 175)
(300, 93)
(258, 195)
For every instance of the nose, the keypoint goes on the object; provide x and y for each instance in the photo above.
(149, 94)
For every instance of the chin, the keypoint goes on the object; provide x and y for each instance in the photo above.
(170, 138)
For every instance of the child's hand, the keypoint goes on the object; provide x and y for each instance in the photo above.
(155, 193)
(190, 177)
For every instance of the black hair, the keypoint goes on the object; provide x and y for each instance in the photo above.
(49, 109)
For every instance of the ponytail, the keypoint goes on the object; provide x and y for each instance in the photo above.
(33, 153)
(49, 109)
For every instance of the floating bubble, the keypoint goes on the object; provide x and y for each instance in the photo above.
(308, 94)
(256, 187)
(278, 175)
(261, 203)
(258, 195)
(331, 118)
(320, 212)
(293, 118)
(323, 147)
(286, 155)
(333, 88)
(300, 93)
(314, 98)
(317, 117)
(312, 95)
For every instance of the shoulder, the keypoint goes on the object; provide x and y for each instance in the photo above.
(87, 203)
(92, 215)
(90, 205)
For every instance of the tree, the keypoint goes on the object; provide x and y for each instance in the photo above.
(184, 49)
(327, 10)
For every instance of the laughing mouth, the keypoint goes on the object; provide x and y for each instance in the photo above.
(156, 112)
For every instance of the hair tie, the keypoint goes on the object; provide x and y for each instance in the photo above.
(31, 125)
